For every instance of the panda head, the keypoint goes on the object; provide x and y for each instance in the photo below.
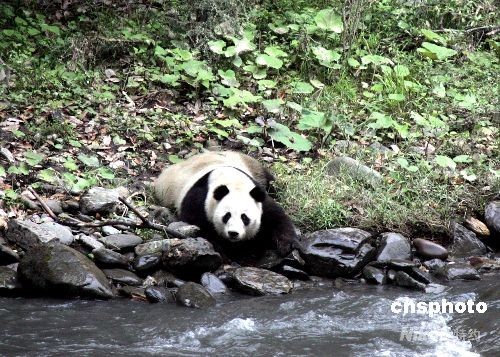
(235, 208)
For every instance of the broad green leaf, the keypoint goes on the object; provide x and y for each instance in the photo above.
(33, 158)
(48, 175)
(436, 52)
(401, 71)
(257, 142)
(445, 161)
(269, 61)
(275, 51)
(432, 36)
(266, 83)
(273, 105)
(353, 62)
(311, 120)
(171, 79)
(228, 123)
(295, 106)
(280, 29)
(403, 162)
(462, 159)
(75, 143)
(2, 172)
(228, 78)
(70, 164)
(89, 160)
(117, 140)
(329, 20)
(325, 56)
(160, 51)
(439, 90)
(302, 88)
(174, 159)
(292, 140)
(182, 55)
(383, 121)
(217, 46)
(106, 173)
(317, 84)
(375, 59)
(397, 97)
(242, 45)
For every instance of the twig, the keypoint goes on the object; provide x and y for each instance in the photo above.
(43, 204)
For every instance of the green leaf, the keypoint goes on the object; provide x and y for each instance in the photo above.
(269, 61)
(383, 121)
(292, 140)
(462, 159)
(174, 159)
(275, 51)
(403, 162)
(325, 56)
(436, 52)
(317, 84)
(91, 161)
(160, 51)
(401, 71)
(217, 46)
(228, 123)
(118, 140)
(439, 90)
(48, 175)
(432, 36)
(266, 83)
(329, 20)
(242, 45)
(70, 164)
(273, 105)
(353, 62)
(445, 161)
(228, 78)
(2, 172)
(11, 195)
(75, 143)
(311, 120)
(302, 88)
(375, 59)
(397, 97)
(106, 173)
(33, 158)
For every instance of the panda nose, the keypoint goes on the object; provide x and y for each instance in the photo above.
(233, 234)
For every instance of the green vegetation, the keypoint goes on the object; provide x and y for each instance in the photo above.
(91, 93)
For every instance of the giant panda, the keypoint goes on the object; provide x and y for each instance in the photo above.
(224, 193)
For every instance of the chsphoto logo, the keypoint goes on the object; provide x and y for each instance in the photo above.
(420, 335)
(436, 307)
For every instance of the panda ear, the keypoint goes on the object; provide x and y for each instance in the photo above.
(220, 192)
(258, 194)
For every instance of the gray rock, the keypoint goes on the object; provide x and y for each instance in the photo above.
(27, 234)
(166, 278)
(7, 255)
(434, 288)
(101, 200)
(63, 233)
(337, 252)
(156, 294)
(108, 257)
(57, 269)
(123, 276)
(393, 246)
(345, 165)
(430, 250)
(194, 295)
(110, 230)
(213, 284)
(458, 272)
(374, 275)
(293, 273)
(492, 217)
(8, 282)
(256, 281)
(70, 206)
(152, 247)
(391, 275)
(55, 206)
(434, 264)
(191, 257)
(294, 260)
(269, 260)
(465, 243)
(133, 292)
(189, 230)
(147, 262)
(406, 281)
(121, 241)
(89, 241)
(396, 264)
(161, 215)
(420, 275)
(477, 226)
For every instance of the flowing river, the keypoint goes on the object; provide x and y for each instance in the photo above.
(353, 320)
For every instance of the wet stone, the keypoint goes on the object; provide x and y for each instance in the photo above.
(434, 264)
(458, 272)
(256, 281)
(27, 234)
(270, 260)
(121, 241)
(420, 275)
(133, 292)
(429, 250)
(391, 275)
(492, 217)
(393, 246)
(108, 257)
(123, 277)
(213, 284)
(194, 295)
(101, 200)
(57, 269)
(152, 247)
(189, 230)
(156, 294)
(166, 278)
(374, 275)
(147, 262)
(476, 226)
(8, 282)
(465, 243)
(396, 264)
(294, 260)
(404, 280)
(110, 230)
(89, 241)
(434, 288)
(7, 255)
(293, 273)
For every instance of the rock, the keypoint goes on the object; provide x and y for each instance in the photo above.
(70, 206)
(152, 247)
(269, 260)
(57, 269)
(434, 264)
(63, 233)
(337, 252)
(161, 215)
(156, 294)
(294, 260)
(374, 275)
(121, 241)
(477, 226)
(403, 279)
(391, 275)
(293, 273)
(434, 288)
(189, 230)
(492, 216)
(256, 281)
(101, 200)
(7, 255)
(393, 246)
(194, 295)
(420, 275)
(166, 278)
(485, 264)
(213, 284)
(147, 262)
(89, 241)
(133, 292)
(396, 264)
(108, 257)
(9, 285)
(27, 234)
(430, 250)
(465, 243)
(347, 166)
(55, 206)
(110, 230)
(458, 272)
(123, 277)
(191, 257)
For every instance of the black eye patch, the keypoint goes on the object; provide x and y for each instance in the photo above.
(226, 217)
(245, 219)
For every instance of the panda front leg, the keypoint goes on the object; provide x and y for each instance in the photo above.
(277, 225)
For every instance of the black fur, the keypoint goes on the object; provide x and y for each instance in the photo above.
(220, 192)
(276, 231)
